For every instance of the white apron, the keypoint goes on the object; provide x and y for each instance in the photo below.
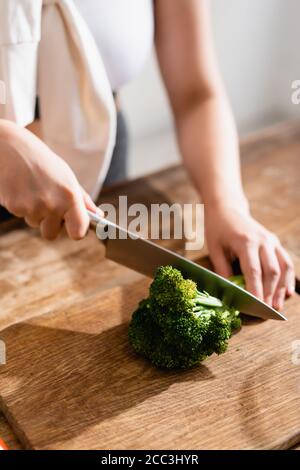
(47, 50)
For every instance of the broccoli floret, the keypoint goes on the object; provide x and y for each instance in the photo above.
(177, 326)
(239, 280)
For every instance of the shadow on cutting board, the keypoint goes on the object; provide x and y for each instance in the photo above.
(57, 382)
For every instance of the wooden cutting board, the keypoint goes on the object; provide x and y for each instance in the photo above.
(73, 382)
(71, 379)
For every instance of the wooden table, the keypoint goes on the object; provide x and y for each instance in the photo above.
(71, 379)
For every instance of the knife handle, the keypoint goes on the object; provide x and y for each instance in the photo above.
(96, 222)
(102, 225)
(96, 219)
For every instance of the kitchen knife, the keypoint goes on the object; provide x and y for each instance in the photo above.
(144, 256)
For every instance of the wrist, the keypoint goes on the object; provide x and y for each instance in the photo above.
(226, 201)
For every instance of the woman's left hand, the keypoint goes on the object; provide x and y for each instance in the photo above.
(231, 233)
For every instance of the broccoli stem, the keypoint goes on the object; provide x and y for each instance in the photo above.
(203, 298)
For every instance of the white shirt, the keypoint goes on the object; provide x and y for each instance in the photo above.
(47, 50)
(123, 31)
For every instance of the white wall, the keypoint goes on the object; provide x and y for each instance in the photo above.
(258, 45)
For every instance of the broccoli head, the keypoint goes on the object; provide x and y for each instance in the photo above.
(178, 326)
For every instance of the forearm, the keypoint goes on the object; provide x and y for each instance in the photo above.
(209, 145)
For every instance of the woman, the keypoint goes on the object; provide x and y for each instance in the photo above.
(36, 182)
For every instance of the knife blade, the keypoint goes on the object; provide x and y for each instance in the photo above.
(144, 256)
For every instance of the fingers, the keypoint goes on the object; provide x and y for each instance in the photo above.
(89, 203)
(286, 284)
(75, 217)
(251, 267)
(268, 271)
(287, 268)
(77, 221)
(33, 222)
(279, 296)
(51, 226)
(221, 264)
(271, 271)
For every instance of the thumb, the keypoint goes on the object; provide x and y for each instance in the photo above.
(89, 203)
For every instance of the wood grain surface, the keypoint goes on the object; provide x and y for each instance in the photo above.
(73, 382)
(71, 379)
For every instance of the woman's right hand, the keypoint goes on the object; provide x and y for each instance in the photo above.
(38, 185)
